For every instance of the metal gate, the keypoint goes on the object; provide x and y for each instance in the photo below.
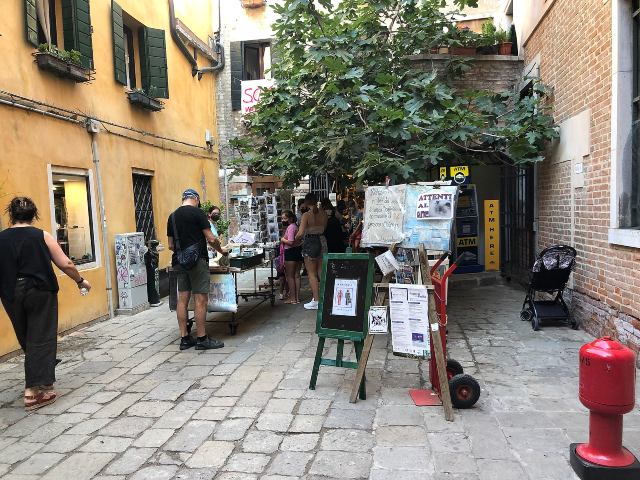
(517, 212)
(143, 203)
(321, 185)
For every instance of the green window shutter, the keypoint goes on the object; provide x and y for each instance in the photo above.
(119, 64)
(76, 23)
(235, 56)
(31, 22)
(153, 62)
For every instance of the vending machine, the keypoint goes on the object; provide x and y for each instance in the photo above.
(131, 271)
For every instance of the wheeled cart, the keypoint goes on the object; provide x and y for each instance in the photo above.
(264, 292)
(465, 390)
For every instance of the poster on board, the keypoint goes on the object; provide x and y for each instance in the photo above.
(378, 319)
(424, 221)
(409, 309)
(384, 209)
(344, 297)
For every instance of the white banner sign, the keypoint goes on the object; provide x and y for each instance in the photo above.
(251, 91)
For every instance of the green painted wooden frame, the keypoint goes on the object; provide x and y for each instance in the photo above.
(346, 334)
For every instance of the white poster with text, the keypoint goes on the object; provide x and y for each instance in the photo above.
(409, 308)
(344, 297)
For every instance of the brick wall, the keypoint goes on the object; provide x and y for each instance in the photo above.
(494, 73)
(573, 42)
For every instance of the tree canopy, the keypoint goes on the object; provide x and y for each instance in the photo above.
(349, 101)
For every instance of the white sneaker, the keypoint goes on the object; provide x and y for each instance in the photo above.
(312, 305)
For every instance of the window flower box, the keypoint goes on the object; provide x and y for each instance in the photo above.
(253, 3)
(141, 99)
(63, 68)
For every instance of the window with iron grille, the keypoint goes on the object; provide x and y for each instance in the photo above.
(143, 202)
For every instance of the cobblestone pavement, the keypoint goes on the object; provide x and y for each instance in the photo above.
(134, 407)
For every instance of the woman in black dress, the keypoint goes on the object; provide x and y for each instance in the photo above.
(29, 294)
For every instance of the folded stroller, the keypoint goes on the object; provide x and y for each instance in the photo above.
(550, 274)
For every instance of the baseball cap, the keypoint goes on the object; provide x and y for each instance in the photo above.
(190, 193)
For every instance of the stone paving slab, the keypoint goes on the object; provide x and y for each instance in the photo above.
(133, 406)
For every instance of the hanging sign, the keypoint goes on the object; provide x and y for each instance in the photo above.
(383, 216)
(378, 320)
(492, 235)
(459, 174)
(443, 174)
(387, 262)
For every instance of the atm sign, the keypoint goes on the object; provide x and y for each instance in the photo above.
(467, 242)
(463, 169)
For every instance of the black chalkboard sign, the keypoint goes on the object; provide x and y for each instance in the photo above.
(345, 295)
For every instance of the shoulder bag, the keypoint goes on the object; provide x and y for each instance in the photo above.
(187, 258)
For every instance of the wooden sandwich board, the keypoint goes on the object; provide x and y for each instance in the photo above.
(345, 297)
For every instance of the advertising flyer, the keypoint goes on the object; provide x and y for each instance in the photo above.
(344, 297)
(378, 320)
(409, 309)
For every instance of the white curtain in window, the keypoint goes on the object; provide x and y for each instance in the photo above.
(42, 8)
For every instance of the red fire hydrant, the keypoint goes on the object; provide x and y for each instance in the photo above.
(607, 389)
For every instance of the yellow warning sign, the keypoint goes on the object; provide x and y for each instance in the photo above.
(463, 169)
(443, 173)
(467, 242)
(491, 235)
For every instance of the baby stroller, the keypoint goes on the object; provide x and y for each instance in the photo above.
(550, 274)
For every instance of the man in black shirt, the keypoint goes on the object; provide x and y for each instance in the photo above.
(193, 228)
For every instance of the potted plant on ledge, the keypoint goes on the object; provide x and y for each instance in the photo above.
(465, 44)
(146, 100)
(65, 64)
(503, 41)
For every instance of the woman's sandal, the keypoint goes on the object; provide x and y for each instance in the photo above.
(41, 399)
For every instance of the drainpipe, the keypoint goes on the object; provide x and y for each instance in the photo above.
(219, 49)
(93, 128)
(176, 38)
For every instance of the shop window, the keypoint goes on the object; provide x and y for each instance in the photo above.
(249, 61)
(73, 216)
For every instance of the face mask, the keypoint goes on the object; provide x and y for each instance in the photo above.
(215, 217)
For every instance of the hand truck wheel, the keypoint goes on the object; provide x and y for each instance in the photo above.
(575, 324)
(453, 368)
(465, 391)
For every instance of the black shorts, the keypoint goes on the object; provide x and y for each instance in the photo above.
(312, 246)
(293, 254)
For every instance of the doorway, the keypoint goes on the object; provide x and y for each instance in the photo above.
(517, 212)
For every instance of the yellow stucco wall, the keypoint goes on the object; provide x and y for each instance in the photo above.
(30, 141)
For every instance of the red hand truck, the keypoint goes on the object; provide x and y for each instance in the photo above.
(465, 390)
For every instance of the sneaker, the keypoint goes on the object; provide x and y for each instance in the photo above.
(312, 305)
(208, 344)
(187, 342)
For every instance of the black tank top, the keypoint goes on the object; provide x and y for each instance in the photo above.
(24, 254)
